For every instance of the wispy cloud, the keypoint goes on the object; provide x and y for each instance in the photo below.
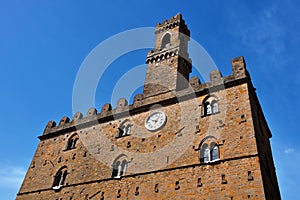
(265, 35)
(289, 150)
(11, 176)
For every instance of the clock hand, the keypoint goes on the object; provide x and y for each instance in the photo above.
(154, 119)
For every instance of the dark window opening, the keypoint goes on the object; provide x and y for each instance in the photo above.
(119, 169)
(72, 142)
(59, 178)
(166, 41)
(124, 130)
(210, 107)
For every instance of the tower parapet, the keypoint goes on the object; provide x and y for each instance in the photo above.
(173, 22)
(239, 67)
(142, 102)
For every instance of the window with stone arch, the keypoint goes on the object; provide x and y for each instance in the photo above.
(210, 105)
(59, 178)
(119, 166)
(166, 40)
(72, 141)
(124, 128)
(209, 150)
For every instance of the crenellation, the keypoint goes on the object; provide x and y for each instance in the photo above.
(51, 124)
(92, 112)
(173, 22)
(141, 101)
(64, 120)
(77, 116)
(122, 105)
(239, 67)
(202, 141)
(106, 110)
(138, 100)
(215, 76)
(195, 82)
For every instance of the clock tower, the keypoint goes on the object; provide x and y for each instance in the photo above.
(169, 64)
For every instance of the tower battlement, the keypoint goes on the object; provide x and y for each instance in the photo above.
(142, 103)
(175, 21)
(179, 139)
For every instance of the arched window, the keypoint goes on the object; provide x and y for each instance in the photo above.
(209, 151)
(59, 178)
(214, 151)
(72, 142)
(124, 128)
(121, 131)
(119, 169)
(165, 41)
(206, 154)
(123, 168)
(210, 106)
(215, 107)
(115, 169)
(207, 108)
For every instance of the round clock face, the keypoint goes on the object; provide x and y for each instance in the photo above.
(155, 121)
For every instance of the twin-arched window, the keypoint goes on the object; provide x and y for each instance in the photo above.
(119, 168)
(72, 142)
(124, 129)
(59, 178)
(209, 152)
(210, 106)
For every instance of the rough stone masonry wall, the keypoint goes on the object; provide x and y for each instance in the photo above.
(232, 126)
(197, 182)
(264, 148)
(245, 169)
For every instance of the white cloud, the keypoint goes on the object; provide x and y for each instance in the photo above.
(289, 150)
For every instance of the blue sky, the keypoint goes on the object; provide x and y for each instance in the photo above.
(43, 43)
